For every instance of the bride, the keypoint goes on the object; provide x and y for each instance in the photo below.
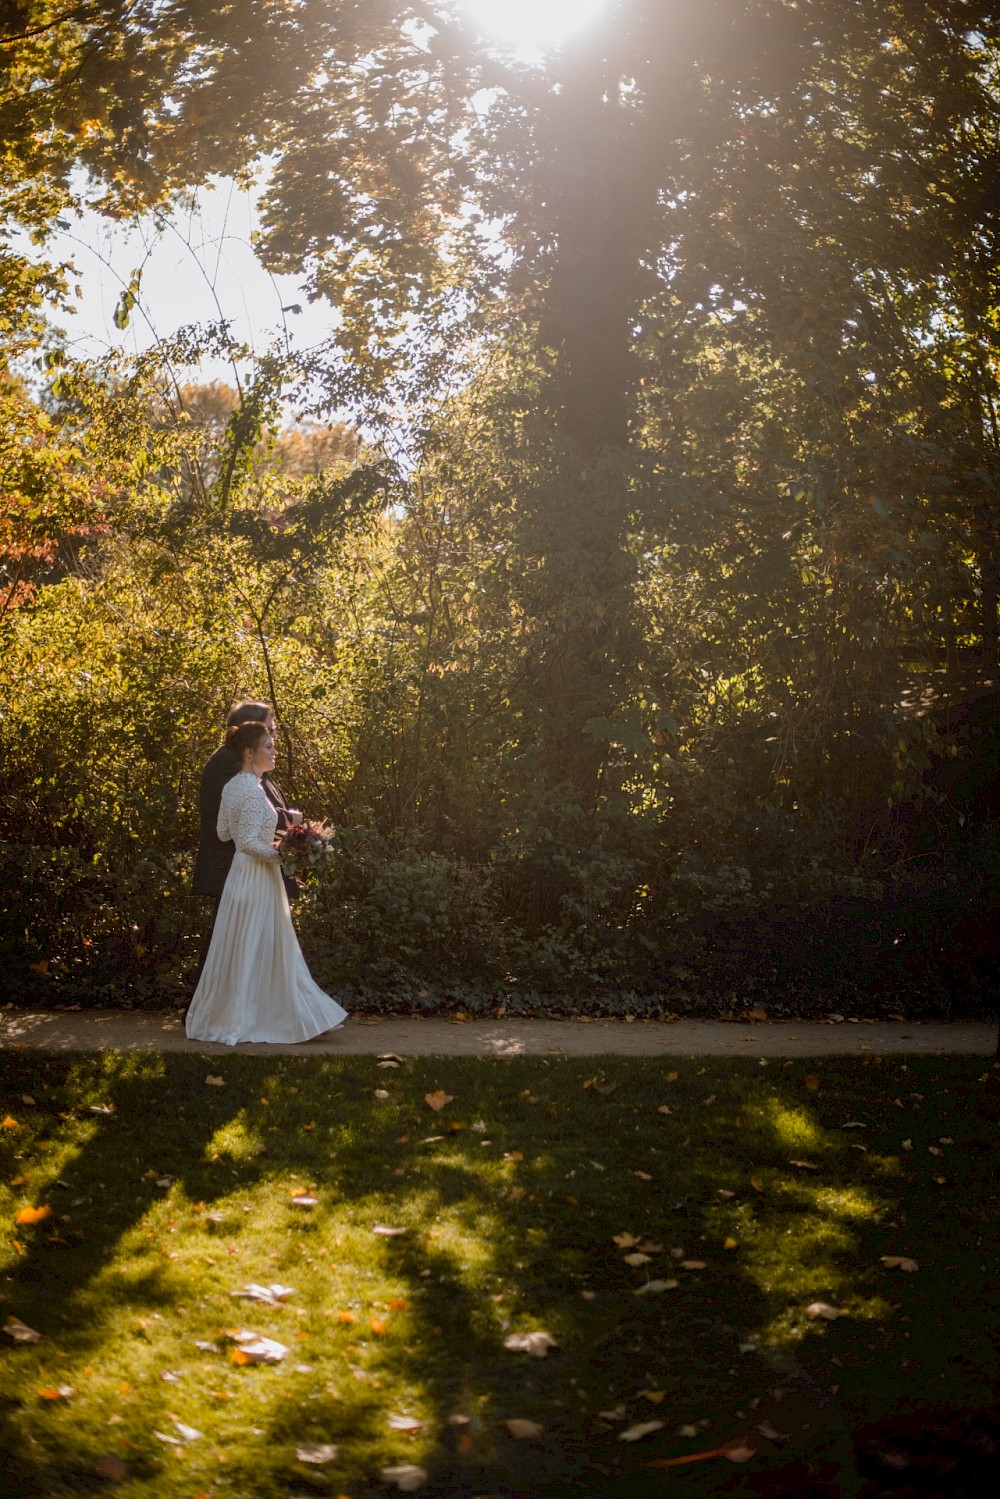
(255, 985)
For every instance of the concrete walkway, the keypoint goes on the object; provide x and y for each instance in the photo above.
(122, 1030)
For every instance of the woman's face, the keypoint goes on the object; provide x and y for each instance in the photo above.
(262, 758)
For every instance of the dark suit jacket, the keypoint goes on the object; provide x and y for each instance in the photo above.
(215, 856)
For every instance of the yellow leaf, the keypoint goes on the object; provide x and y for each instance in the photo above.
(672, 1077)
(731, 1243)
(653, 1396)
(899, 1262)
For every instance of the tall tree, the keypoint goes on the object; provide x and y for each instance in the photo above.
(828, 167)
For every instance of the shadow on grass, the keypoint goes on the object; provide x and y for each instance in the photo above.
(494, 1244)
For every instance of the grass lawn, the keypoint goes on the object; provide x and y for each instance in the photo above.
(668, 1224)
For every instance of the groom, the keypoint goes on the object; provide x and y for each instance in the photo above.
(215, 856)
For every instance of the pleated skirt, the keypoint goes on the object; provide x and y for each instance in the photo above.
(255, 985)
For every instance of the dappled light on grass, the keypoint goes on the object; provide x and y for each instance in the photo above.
(311, 1259)
(793, 1127)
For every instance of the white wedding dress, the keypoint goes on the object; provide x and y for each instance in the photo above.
(255, 985)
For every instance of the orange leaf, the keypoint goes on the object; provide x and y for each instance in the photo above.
(33, 1215)
(56, 1392)
(437, 1101)
(812, 1082)
(378, 1326)
(346, 1317)
(397, 1304)
(10, 1123)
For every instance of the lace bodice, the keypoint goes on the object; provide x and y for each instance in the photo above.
(247, 817)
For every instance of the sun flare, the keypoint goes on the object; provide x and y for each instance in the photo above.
(533, 25)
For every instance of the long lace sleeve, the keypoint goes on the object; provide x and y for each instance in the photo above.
(247, 817)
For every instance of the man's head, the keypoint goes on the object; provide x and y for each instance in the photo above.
(251, 712)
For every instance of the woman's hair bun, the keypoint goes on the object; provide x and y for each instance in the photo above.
(244, 736)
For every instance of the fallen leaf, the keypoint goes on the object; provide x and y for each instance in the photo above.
(273, 1295)
(10, 1123)
(438, 1100)
(648, 1247)
(537, 1344)
(740, 1453)
(253, 1349)
(20, 1331)
(377, 1326)
(635, 1260)
(303, 1200)
(316, 1452)
(403, 1423)
(672, 1077)
(654, 1287)
(757, 1013)
(757, 1183)
(513, 1155)
(771, 1432)
(709, 1100)
(817, 1309)
(639, 1430)
(186, 1433)
(348, 1317)
(653, 1396)
(693, 1265)
(389, 1059)
(215, 1082)
(811, 1081)
(664, 1109)
(626, 1241)
(725, 1194)
(731, 1243)
(397, 1304)
(618, 1414)
(522, 1429)
(388, 1233)
(56, 1392)
(382, 1094)
(899, 1262)
(643, 1175)
(804, 1165)
(111, 1468)
(406, 1477)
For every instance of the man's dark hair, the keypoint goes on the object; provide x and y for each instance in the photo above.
(247, 713)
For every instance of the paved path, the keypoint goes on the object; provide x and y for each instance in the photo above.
(122, 1030)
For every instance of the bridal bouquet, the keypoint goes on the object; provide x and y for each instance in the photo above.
(304, 848)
